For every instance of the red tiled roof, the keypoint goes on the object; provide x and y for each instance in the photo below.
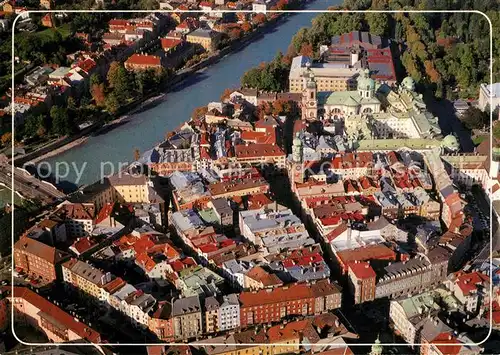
(336, 232)
(267, 279)
(292, 330)
(362, 270)
(144, 59)
(259, 137)
(468, 283)
(444, 343)
(114, 285)
(285, 293)
(370, 252)
(87, 65)
(117, 22)
(34, 247)
(145, 261)
(169, 43)
(83, 244)
(104, 213)
(258, 150)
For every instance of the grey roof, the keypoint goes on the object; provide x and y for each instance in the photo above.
(404, 267)
(362, 36)
(309, 273)
(432, 327)
(238, 266)
(380, 223)
(186, 305)
(201, 32)
(88, 272)
(230, 300)
(221, 206)
(211, 304)
(187, 219)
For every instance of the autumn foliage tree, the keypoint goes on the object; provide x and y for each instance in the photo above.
(259, 19)
(307, 50)
(97, 92)
(199, 112)
(6, 138)
(225, 94)
(246, 26)
(235, 33)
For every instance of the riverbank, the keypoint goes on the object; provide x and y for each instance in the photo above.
(63, 145)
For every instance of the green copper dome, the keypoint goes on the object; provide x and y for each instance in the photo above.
(408, 83)
(450, 142)
(365, 82)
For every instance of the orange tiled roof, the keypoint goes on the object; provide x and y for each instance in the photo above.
(143, 59)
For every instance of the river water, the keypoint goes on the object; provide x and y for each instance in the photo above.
(148, 128)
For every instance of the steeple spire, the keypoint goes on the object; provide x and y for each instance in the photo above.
(377, 347)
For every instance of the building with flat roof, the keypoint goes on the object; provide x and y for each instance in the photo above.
(275, 231)
(199, 281)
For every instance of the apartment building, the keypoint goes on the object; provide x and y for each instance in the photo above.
(85, 277)
(37, 259)
(187, 317)
(271, 305)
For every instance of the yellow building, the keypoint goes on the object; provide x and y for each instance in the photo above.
(130, 188)
(85, 277)
(208, 39)
(327, 77)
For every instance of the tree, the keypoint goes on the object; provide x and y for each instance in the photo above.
(119, 81)
(432, 72)
(61, 122)
(199, 112)
(6, 138)
(307, 50)
(41, 131)
(95, 79)
(246, 26)
(259, 19)
(111, 103)
(496, 131)
(97, 92)
(474, 118)
(378, 23)
(235, 33)
(225, 94)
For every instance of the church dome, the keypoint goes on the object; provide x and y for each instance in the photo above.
(365, 82)
(450, 142)
(408, 83)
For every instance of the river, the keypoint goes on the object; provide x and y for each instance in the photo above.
(148, 128)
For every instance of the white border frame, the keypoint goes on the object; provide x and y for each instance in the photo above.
(250, 11)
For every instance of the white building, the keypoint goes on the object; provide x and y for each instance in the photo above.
(487, 91)
(229, 313)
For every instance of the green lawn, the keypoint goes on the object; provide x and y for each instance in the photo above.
(64, 30)
(478, 139)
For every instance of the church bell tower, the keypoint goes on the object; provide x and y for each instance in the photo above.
(309, 99)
